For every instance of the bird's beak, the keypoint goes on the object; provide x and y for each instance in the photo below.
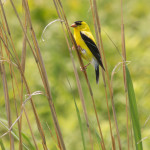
(73, 25)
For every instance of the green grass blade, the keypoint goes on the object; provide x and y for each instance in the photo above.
(80, 123)
(133, 111)
(12, 132)
(79, 118)
(2, 145)
(98, 139)
(28, 141)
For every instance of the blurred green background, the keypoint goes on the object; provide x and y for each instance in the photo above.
(59, 67)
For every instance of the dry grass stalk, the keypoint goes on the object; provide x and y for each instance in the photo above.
(21, 112)
(114, 144)
(11, 74)
(75, 71)
(107, 74)
(76, 76)
(20, 69)
(53, 136)
(24, 108)
(5, 88)
(85, 74)
(44, 76)
(23, 59)
(124, 70)
(30, 130)
(97, 29)
(10, 62)
(20, 142)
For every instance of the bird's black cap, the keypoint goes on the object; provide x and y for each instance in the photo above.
(78, 22)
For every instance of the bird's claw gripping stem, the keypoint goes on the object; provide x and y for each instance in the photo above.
(85, 67)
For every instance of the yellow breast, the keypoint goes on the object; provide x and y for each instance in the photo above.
(85, 52)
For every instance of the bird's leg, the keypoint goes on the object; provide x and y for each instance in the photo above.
(85, 67)
(73, 47)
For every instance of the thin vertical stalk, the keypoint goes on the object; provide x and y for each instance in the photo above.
(97, 29)
(77, 78)
(11, 74)
(44, 75)
(26, 84)
(7, 104)
(30, 129)
(53, 137)
(23, 60)
(107, 74)
(84, 71)
(24, 108)
(124, 70)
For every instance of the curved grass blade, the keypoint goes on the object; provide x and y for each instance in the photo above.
(79, 119)
(133, 111)
(2, 145)
(98, 139)
(28, 141)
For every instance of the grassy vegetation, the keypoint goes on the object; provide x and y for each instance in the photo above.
(57, 105)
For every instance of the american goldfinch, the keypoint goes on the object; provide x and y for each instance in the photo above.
(87, 46)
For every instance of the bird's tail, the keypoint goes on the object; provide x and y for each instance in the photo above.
(97, 72)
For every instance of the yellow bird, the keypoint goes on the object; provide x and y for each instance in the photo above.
(87, 46)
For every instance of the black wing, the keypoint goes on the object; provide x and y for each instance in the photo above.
(93, 48)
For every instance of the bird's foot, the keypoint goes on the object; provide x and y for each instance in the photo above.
(85, 67)
(78, 46)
